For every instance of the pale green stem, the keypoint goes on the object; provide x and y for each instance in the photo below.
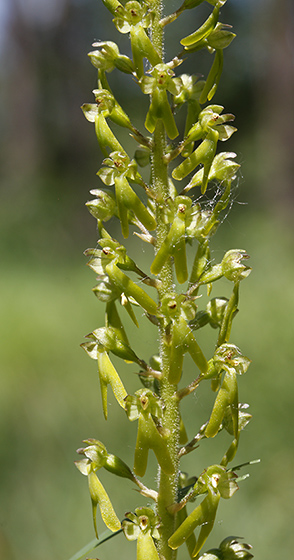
(167, 484)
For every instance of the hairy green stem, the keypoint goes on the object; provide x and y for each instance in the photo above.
(167, 484)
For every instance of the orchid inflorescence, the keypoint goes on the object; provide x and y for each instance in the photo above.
(167, 293)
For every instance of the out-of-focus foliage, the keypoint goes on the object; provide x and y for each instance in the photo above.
(47, 402)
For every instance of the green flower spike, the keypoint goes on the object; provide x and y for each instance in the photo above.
(119, 170)
(146, 407)
(157, 84)
(142, 526)
(95, 458)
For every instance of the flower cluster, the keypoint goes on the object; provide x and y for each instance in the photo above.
(174, 222)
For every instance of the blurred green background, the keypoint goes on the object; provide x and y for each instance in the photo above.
(50, 398)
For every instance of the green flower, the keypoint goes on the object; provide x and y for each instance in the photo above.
(146, 407)
(157, 84)
(119, 170)
(96, 458)
(143, 526)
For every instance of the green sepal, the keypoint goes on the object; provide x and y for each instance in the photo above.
(142, 48)
(126, 285)
(220, 37)
(243, 419)
(204, 516)
(100, 497)
(109, 376)
(203, 31)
